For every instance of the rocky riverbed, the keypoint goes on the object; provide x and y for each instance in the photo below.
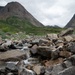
(53, 54)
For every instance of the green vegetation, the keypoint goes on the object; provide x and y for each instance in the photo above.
(15, 25)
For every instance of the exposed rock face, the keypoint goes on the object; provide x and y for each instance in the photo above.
(71, 23)
(16, 9)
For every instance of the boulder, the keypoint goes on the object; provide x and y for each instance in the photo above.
(31, 61)
(11, 66)
(13, 55)
(71, 47)
(34, 49)
(72, 59)
(52, 62)
(66, 32)
(44, 51)
(54, 70)
(55, 53)
(52, 36)
(39, 69)
(22, 70)
(68, 38)
(26, 72)
(68, 71)
(44, 42)
(68, 63)
(65, 54)
(57, 68)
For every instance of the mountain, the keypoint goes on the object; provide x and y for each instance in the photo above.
(71, 23)
(17, 10)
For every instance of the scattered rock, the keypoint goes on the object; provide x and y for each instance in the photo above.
(50, 55)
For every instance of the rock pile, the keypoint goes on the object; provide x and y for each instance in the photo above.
(51, 55)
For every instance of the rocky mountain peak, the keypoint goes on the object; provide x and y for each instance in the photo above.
(71, 23)
(16, 9)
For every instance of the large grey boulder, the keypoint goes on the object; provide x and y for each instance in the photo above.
(54, 70)
(68, 63)
(72, 59)
(12, 55)
(68, 71)
(66, 32)
(44, 51)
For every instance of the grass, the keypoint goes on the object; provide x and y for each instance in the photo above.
(14, 25)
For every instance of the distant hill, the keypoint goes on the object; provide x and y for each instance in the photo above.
(71, 23)
(14, 18)
(17, 10)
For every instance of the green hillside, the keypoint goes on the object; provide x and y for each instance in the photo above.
(14, 25)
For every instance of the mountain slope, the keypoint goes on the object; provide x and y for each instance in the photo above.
(71, 23)
(17, 10)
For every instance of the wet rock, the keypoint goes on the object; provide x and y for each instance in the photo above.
(66, 32)
(13, 55)
(68, 71)
(26, 72)
(31, 61)
(27, 51)
(44, 51)
(22, 70)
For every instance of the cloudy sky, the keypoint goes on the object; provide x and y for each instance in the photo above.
(49, 12)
